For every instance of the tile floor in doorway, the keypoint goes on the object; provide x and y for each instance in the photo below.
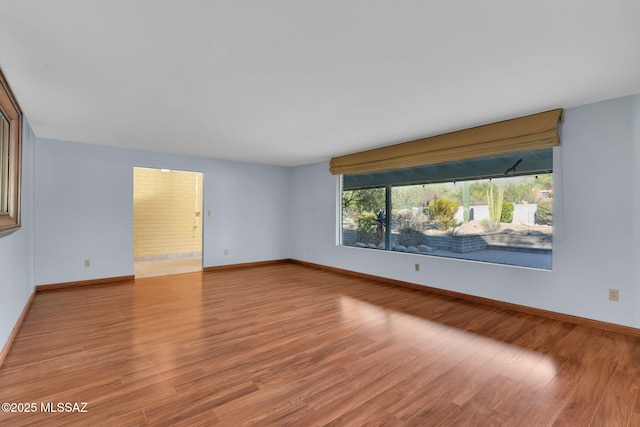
(166, 266)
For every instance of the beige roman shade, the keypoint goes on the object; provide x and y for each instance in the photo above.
(522, 134)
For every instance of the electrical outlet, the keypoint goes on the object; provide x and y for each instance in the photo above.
(87, 263)
(226, 251)
(209, 213)
(308, 250)
(417, 267)
(614, 294)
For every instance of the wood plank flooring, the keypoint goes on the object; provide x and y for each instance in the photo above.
(292, 345)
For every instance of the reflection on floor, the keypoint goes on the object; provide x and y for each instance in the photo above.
(166, 266)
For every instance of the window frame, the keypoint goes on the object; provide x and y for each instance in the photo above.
(11, 158)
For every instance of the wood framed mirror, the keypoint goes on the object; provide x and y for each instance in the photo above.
(10, 159)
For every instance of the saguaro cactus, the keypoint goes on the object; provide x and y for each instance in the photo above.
(495, 203)
(465, 201)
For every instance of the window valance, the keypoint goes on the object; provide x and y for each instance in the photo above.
(525, 133)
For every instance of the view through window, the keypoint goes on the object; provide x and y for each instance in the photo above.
(505, 218)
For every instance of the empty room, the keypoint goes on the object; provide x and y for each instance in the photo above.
(395, 213)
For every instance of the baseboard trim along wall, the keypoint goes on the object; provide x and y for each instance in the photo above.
(246, 265)
(16, 328)
(576, 320)
(81, 283)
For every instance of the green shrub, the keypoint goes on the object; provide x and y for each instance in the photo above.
(366, 225)
(442, 212)
(544, 213)
(507, 212)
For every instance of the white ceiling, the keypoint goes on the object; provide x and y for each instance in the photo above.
(290, 82)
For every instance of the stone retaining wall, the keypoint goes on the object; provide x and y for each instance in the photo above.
(462, 243)
(467, 243)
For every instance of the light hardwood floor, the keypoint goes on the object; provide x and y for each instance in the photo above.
(291, 345)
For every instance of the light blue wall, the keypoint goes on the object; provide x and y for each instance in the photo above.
(635, 202)
(84, 209)
(594, 249)
(16, 251)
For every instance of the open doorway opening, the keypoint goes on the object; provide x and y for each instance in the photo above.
(167, 222)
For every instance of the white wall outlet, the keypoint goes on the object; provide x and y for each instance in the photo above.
(614, 294)
(209, 212)
(226, 251)
(87, 263)
(417, 267)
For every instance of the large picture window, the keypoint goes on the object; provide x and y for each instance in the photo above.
(482, 194)
(492, 209)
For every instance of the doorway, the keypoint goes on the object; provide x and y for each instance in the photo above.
(167, 222)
